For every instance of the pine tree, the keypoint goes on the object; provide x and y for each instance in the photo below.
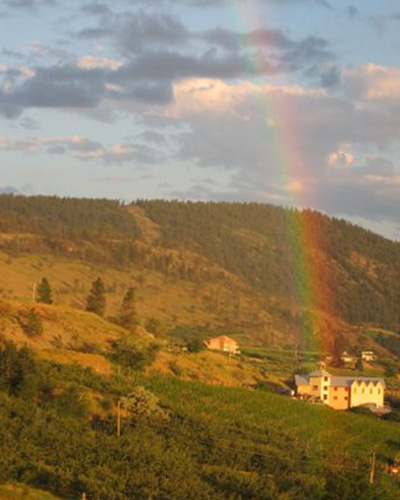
(96, 300)
(34, 325)
(128, 316)
(44, 292)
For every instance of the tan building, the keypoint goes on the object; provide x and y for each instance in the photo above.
(223, 343)
(368, 356)
(341, 393)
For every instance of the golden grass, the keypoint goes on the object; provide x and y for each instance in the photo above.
(207, 367)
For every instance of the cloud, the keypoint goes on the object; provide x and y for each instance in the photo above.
(288, 144)
(29, 4)
(138, 31)
(85, 149)
(373, 82)
(92, 62)
(341, 159)
(96, 9)
(218, 3)
(352, 12)
(9, 190)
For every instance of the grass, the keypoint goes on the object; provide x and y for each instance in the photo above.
(22, 492)
(315, 427)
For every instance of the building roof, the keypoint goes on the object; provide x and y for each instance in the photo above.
(224, 338)
(301, 380)
(337, 381)
(320, 373)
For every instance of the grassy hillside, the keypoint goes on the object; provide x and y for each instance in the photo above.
(240, 273)
(194, 442)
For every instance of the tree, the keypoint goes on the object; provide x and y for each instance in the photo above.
(360, 364)
(131, 356)
(143, 403)
(195, 345)
(44, 292)
(128, 316)
(34, 324)
(96, 300)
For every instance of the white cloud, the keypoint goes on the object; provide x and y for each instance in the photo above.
(341, 159)
(92, 62)
(373, 82)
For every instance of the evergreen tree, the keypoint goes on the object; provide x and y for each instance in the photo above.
(128, 316)
(44, 292)
(34, 324)
(96, 300)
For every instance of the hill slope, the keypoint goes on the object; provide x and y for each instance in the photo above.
(213, 266)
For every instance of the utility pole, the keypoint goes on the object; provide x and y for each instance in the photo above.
(119, 418)
(372, 471)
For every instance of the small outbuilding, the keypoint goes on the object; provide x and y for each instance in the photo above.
(223, 343)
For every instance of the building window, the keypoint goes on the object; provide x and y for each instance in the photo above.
(325, 397)
(346, 398)
(379, 391)
(335, 398)
(325, 379)
(315, 388)
(370, 391)
(336, 388)
(326, 388)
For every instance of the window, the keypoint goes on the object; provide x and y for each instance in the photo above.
(325, 397)
(379, 391)
(335, 398)
(336, 388)
(325, 388)
(315, 388)
(370, 391)
(325, 379)
(346, 398)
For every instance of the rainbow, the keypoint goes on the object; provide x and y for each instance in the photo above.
(309, 271)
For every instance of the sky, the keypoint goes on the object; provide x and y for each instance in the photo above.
(290, 102)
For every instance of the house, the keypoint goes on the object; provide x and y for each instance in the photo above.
(368, 356)
(223, 343)
(340, 393)
(348, 359)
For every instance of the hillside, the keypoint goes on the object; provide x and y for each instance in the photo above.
(242, 273)
(195, 424)
(181, 440)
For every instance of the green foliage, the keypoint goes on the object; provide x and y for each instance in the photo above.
(96, 300)
(128, 353)
(71, 403)
(154, 326)
(34, 325)
(211, 444)
(44, 292)
(128, 316)
(19, 372)
(359, 364)
(143, 403)
(195, 345)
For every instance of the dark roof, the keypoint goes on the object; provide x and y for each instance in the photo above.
(319, 373)
(337, 381)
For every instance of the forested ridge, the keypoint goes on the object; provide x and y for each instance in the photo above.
(358, 270)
